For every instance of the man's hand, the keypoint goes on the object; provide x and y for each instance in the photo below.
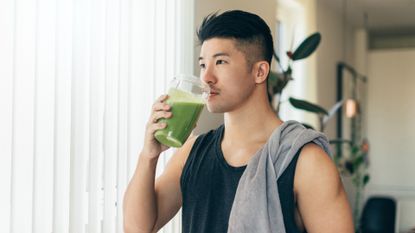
(149, 203)
(152, 148)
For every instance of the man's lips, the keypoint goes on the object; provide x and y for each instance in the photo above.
(213, 93)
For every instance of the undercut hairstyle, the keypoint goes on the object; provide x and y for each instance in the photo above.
(250, 32)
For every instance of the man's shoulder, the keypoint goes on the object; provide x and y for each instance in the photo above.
(314, 157)
(314, 166)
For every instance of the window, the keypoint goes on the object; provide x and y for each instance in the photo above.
(291, 30)
(76, 84)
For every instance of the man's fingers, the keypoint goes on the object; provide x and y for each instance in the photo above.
(154, 127)
(161, 99)
(160, 104)
(159, 115)
(160, 107)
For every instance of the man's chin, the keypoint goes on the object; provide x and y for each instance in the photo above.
(212, 109)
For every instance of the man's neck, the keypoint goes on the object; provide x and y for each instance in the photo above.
(251, 123)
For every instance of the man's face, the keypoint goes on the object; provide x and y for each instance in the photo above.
(226, 71)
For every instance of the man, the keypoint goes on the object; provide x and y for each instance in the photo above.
(203, 175)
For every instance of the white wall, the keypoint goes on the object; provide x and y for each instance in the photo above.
(265, 9)
(340, 42)
(391, 127)
(337, 44)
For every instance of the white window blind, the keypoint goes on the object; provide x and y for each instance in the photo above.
(77, 81)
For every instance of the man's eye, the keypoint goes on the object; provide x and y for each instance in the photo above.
(202, 66)
(218, 62)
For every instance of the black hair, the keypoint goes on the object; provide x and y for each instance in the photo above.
(251, 33)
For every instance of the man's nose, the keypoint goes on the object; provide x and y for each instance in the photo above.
(208, 76)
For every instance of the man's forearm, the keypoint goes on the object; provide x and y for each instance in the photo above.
(140, 202)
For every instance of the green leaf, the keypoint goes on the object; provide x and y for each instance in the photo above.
(289, 71)
(272, 78)
(355, 149)
(366, 179)
(307, 106)
(357, 162)
(277, 82)
(307, 47)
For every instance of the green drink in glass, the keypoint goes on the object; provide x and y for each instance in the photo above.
(187, 97)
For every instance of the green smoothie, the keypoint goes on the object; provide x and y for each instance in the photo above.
(186, 110)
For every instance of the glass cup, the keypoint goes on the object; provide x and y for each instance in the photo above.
(187, 98)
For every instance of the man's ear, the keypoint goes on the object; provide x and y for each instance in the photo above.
(261, 70)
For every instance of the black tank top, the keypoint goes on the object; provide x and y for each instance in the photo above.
(208, 185)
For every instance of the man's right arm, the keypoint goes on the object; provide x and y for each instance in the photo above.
(150, 203)
(140, 207)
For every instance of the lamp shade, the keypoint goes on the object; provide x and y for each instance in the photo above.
(352, 108)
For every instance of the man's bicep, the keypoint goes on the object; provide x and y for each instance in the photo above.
(167, 186)
(321, 199)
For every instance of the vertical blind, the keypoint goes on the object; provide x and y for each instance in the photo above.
(77, 81)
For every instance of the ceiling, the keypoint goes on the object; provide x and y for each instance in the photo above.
(383, 16)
